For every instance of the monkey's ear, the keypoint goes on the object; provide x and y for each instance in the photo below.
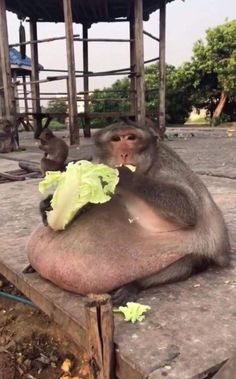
(154, 134)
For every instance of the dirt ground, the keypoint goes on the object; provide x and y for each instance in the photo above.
(32, 346)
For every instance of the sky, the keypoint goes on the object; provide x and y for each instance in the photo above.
(186, 23)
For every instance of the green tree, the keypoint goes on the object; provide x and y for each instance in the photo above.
(211, 74)
(116, 97)
(57, 106)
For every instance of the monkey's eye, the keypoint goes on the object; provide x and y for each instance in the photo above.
(132, 137)
(115, 139)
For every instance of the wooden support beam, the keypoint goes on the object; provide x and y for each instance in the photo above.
(2, 98)
(151, 36)
(36, 41)
(138, 32)
(162, 68)
(26, 110)
(35, 77)
(100, 329)
(73, 122)
(87, 131)
(132, 66)
(8, 92)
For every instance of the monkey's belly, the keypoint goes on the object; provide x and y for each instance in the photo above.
(101, 250)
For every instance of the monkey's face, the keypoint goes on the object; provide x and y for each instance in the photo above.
(45, 136)
(123, 145)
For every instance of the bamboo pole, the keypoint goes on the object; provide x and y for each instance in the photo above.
(151, 36)
(132, 66)
(35, 78)
(36, 41)
(87, 131)
(2, 98)
(73, 126)
(162, 68)
(8, 91)
(25, 99)
(139, 52)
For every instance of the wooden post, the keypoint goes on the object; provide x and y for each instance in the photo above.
(87, 131)
(9, 104)
(132, 67)
(35, 77)
(26, 102)
(162, 68)
(100, 329)
(139, 53)
(16, 91)
(2, 99)
(73, 119)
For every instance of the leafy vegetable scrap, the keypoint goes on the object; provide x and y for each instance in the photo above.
(83, 182)
(133, 311)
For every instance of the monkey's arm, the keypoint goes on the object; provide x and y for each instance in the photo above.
(44, 206)
(172, 200)
(45, 148)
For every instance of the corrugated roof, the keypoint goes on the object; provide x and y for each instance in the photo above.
(16, 60)
(84, 11)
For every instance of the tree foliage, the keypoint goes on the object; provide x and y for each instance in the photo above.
(210, 76)
(57, 106)
(207, 81)
(117, 97)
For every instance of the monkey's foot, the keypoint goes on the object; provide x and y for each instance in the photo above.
(28, 270)
(128, 292)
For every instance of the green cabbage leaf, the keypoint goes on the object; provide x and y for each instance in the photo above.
(83, 182)
(133, 312)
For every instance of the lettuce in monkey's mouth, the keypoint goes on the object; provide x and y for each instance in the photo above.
(83, 182)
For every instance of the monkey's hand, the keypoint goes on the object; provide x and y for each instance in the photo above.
(126, 177)
(44, 206)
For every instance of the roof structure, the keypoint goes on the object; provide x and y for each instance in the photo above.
(84, 11)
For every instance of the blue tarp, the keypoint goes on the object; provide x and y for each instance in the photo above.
(15, 59)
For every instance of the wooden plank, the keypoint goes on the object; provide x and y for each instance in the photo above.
(35, 77)
(73, 122)
(64, 308)
(100, 330)
(162, 68)
(87, 131)
(139, 53)
(5, 65)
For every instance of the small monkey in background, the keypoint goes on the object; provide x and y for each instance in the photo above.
(56, 151)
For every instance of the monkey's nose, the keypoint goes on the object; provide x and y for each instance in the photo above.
(124, 157)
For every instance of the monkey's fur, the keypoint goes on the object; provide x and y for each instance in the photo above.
(56, 151)
(161, 209)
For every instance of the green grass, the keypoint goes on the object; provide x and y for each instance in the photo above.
(56, 125)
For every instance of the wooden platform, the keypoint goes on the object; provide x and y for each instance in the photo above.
(191, 328)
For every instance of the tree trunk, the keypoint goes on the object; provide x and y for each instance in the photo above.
(220, 106)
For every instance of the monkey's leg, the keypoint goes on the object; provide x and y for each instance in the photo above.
(128, 292)
(51, 165)
(177, 271)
